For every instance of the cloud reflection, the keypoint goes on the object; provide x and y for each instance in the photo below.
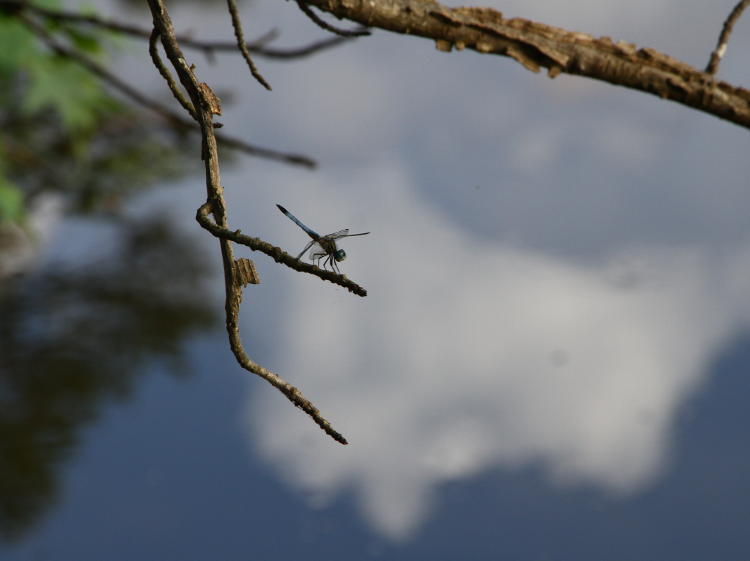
(469, 355)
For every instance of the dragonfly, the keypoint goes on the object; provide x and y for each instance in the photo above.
(322, 246)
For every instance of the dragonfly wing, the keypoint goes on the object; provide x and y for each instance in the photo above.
(301, 253)
(317, 252)
(340, 234)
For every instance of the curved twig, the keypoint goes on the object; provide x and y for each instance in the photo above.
(327, 26)
(153, 50)
(201, 99)
(276, 253)
(721, 45)
(242, 46)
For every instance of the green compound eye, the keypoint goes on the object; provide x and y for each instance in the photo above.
(340, 255)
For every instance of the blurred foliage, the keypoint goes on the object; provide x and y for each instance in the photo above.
(61, 131)
(71, 339)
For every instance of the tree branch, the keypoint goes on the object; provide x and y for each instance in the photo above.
(203, 101)
(171, 117)
(327, 26)
(721, 45)
(278, 254)
(257, 47)
(242, 46)
(536, 46)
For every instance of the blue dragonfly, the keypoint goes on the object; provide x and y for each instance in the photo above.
(322, 246)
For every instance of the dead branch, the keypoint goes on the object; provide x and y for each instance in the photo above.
(203, 101)
(242, 46)
(278, 254)
(721, 45)
(327, 26)
(536, 45)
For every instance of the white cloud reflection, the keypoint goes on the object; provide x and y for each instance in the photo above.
(468, 355)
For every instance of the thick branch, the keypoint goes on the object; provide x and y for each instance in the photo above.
(327, 26)
(536, 46)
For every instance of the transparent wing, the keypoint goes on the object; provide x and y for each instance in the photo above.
(316, 252)
(301, 253)
(340, 234)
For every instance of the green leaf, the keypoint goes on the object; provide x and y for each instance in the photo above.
(11, 202)
(16, 44)
(85, 42)
(63, 86)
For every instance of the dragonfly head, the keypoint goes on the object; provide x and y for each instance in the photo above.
(339, 255)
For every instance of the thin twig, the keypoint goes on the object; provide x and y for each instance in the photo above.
(721, 45)
(278, 254)
(242, 46)
(173, 118)
(327, 26)
(297, 52)
(233, 289)
(260, 152)
(257, 46)
(153, 50)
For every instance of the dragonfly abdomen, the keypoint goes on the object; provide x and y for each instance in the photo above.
(310, 232)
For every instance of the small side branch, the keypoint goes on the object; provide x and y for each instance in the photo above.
(721, 45)
(327, 26)
(153, 50)
(242, 46)
(276, 253)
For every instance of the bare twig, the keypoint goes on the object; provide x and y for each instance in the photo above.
(327, 26)
(257, 46)
(215, 195)
(153, 50)
(261, 152)
(536, 45)
(297, 52)
(242, 46)
(278, 254)
(172, 117)
(721, 45)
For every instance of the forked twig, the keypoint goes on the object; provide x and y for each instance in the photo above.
(153, 50)
(721, 45)
(200, 97)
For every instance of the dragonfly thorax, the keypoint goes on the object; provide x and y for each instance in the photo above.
(339, 255)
